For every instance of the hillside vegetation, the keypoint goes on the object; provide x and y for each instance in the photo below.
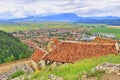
(11, 48)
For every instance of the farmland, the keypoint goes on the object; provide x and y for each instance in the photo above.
(14, 27)
(111, 30)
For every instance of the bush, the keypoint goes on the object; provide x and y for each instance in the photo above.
(16, 74)
(36, 73)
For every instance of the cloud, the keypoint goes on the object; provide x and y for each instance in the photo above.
(24, 8)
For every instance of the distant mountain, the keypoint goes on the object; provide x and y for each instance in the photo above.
(115, 22)
(68, 17)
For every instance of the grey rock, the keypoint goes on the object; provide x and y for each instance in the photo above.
(109, 68)
(53, 77)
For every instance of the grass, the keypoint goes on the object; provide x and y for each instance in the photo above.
(16, 74)
(111, 30)
(75, 71)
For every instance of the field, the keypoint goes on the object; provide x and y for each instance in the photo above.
(111, 30)
(31, 26)
(115, 26)
(14, 27)
(74, 71)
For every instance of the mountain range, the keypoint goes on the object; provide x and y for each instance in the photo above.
(67, 17)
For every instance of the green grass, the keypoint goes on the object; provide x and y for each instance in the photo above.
(115, 31)
(16, 74)
(74, 71)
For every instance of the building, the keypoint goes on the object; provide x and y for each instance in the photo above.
(71, 51)
(88, 38)
(106, 40)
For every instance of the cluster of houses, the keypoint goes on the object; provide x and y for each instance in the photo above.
(41, 37)
(71, 51)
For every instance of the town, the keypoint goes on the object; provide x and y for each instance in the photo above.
(41, 37)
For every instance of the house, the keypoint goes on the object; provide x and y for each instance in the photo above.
(71, 51)
(37, 57)
(106, 40)
(107, 35)
(95, 34)
(87, 38)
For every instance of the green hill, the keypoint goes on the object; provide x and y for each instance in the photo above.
(11, 48)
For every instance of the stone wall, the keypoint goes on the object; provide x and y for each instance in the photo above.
(9, 68)
(5, 67)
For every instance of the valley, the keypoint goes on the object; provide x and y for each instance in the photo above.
(59, 39)
(39, 36)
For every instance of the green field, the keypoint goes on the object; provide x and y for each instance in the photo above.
(14, 27)
(31, 26)
(74, 71)
(111, 30)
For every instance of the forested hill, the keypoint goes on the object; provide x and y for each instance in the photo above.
(11, 48)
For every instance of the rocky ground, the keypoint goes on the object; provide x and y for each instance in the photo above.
(111, 72)
(110, 77)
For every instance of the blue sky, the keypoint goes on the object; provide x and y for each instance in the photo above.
(23, 8)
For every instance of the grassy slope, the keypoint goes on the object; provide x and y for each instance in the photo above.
(115, 31)
(74, 71)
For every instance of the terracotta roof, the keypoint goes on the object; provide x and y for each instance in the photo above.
(73, 51)
(55, 40)
(104, 40)
(38, 55)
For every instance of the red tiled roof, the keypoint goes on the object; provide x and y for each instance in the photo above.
(38, 55)
(73, 51)
(104, 40)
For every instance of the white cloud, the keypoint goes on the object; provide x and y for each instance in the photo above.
(24, 8)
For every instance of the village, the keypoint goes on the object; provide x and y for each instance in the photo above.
(41, 37)
(65, 46)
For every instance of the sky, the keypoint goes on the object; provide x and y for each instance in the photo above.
(23, 8)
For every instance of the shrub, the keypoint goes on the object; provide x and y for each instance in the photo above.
(17, 73)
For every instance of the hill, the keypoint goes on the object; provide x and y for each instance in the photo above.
(64, 17)
(108, 21)
(11, 48)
